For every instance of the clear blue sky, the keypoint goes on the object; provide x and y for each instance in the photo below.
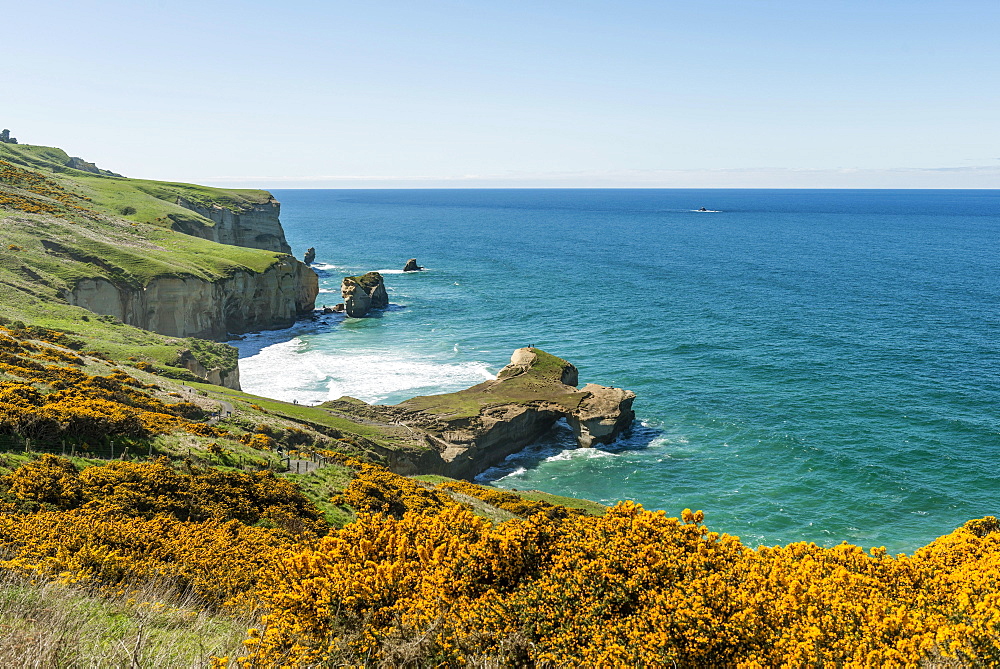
(581, 93)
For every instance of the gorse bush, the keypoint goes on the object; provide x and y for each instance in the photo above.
(148, 489)
(218, 561)
(375, 488)
(423, 581)
(49, 399)
(39, 194)
(418, 579)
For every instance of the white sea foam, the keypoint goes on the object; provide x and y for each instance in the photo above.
(579, 454)
(291, 370)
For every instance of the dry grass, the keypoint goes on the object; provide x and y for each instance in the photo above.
(53, 625)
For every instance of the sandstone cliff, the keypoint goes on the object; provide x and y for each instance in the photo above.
(363, 293)
(255, 226)
(469, 431)
(188, 306)
(228, 378)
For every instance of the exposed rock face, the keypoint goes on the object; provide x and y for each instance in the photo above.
(221, 377)
(257, 227)
(605, 414)
(188, 306)
(474, 429)
(363, 293)
(84, 166)
(412, 266)
(310, 256)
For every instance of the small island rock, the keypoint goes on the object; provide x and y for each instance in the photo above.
(310, 256)
(363, 293)
(412, 266)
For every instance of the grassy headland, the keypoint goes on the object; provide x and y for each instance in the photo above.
(61, 226)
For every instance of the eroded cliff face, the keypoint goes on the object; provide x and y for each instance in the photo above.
(257, 227)
(188, 306)
(227, 378)
(467, 432)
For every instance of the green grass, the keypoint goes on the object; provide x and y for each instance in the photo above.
(53, 625)
(540, 384)
(111, 194)
(319, 486)
(591, 508)
(305, 414)
(44, 256)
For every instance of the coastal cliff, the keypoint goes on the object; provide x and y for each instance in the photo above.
(468, 431)
(189, 306)
(174, 260)
(253, 225)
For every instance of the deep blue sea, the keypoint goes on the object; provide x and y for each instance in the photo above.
(817, 365)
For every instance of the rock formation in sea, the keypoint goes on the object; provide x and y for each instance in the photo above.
(310, 256)
(466, 432)
(412, 266)
(363, 293)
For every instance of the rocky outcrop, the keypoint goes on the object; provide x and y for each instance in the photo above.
(188, 306)
(412, 266)
(85, 166)
(255, 226)
(228, 378)
(605, 414)
(310, 256)
(363, 293)
(471, 430)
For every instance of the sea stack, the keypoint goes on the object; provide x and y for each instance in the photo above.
(363, 293)
(310, 256)
(412, 266)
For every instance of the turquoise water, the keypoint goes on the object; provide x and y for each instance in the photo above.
(810, 365)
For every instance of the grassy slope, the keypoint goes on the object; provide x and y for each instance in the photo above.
(55, 625)
(315, 416)
(591, 508)
(539, 384)
(62, 225)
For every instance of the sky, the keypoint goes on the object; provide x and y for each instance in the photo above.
(546, 93)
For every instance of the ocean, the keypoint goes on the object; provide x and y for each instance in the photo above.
(810, 365)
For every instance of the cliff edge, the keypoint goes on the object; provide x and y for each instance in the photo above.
(468, 431)
(178, 260)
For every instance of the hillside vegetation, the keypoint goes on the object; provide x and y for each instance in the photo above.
(150, 519)
(61, 225)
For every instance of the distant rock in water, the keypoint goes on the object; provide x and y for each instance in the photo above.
(310, 256)
(363, 293)
(412, 266)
